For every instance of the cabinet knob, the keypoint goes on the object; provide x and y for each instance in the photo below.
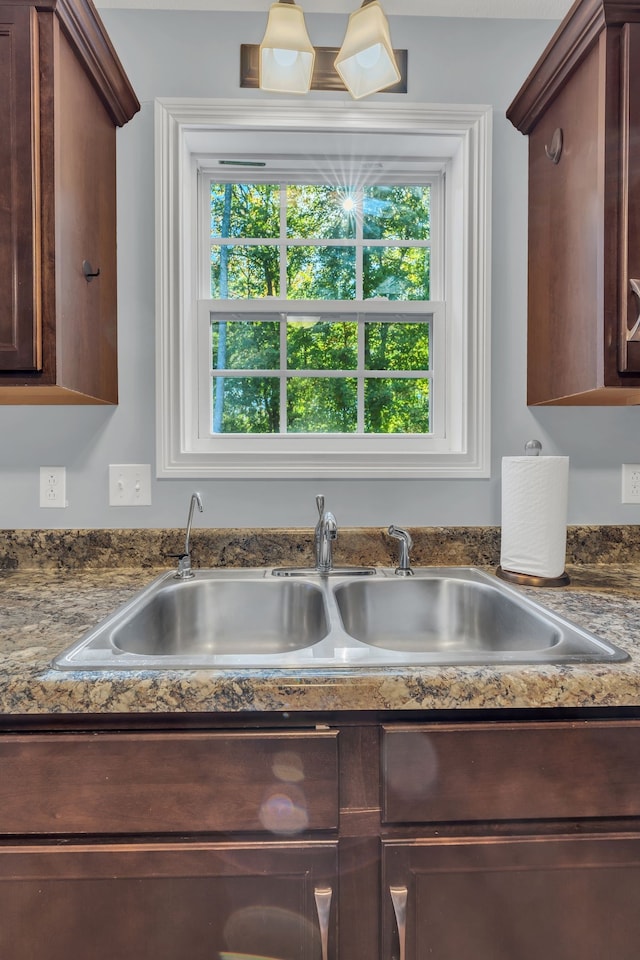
(323, 906)
(554, 149)
(89, 272)
(399, 900)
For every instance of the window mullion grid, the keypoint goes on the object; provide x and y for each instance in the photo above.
(284, 293)
(283, 373)
(360, 373)
(359, 251)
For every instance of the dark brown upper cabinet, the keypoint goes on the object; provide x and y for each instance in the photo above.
(580, 108)
(63, 92)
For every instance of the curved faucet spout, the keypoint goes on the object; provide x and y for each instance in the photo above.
(195, 498)
(184, 559)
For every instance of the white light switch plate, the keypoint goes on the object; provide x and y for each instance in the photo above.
(129, 484)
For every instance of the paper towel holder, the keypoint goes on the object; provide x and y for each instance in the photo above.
(532, 448)
(530, 580)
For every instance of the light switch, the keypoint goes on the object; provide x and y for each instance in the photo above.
(129, 484)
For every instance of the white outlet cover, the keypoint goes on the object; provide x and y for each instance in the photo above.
(129, 484)
(53, 487)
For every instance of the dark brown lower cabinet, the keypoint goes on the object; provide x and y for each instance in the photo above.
(171, 901)
(521, 898)
(345, 839)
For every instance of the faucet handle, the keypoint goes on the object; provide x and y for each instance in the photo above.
(320, 504)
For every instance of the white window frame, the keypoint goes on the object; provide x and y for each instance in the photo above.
(460, 448)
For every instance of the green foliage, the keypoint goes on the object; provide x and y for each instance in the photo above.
(321, 273)
(327, 405)
(251, 405)
(253, 272)
(318, 213)
(250, 344)
(254, 210)
(396, 273)
(396, 406)
(396, 346)
(320, 223)
(322, 346)
(396, 213)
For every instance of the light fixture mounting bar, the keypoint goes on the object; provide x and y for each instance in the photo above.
(324, 76)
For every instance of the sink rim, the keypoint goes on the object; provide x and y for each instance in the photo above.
(338, 650)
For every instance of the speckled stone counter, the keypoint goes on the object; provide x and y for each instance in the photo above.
(241, 547)
(44, 609)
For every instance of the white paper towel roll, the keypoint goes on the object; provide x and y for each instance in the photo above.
(534, 515)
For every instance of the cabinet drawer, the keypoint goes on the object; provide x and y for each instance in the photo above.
(280, 783)
(507, 771)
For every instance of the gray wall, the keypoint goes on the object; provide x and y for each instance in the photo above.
(197, 54)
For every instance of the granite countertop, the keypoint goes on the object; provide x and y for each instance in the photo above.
(47, 609)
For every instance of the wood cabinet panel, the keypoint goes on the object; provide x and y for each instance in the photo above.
(583, 208)
(276, 783)
(20, 301)
(85, 229)
(154, 902)
(565, 294)
(219, 843)
(524, 898)
(629, 339)
(62, 94)
(479, 772)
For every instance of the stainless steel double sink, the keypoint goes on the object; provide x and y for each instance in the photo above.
(250, 619)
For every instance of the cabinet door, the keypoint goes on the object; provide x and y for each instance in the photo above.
(565, 299)
(85, 217)
(173, 902)
(629, 341)
(19, 187)
(525, 898)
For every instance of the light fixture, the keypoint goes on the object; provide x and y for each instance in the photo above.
(366, 61)
(286, 53)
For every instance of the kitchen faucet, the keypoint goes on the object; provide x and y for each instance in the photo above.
(404, 562)
(325, 533)
(184, 571)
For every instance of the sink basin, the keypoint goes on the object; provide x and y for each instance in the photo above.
(192, 623)
(461, 616)
(442, 615)
(253, 619)
(223, 616)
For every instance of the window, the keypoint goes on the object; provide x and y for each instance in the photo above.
(322, 306)
(307, 369)
(318, 241)
(330, 371)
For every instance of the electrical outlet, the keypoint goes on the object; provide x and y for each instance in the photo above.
(631, 482)
(129, 484)
(53, 487)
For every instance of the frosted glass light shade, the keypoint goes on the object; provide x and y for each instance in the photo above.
(286, 53)
(366, 62)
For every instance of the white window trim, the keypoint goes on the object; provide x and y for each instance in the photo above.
(467, 307)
